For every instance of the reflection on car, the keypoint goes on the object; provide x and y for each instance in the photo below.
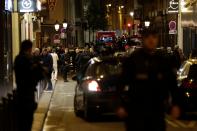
(96, 91)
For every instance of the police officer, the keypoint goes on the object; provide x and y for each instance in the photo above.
(150, 80)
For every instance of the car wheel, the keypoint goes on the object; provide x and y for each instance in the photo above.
(78, 113)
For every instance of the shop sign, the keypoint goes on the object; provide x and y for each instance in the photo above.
(27, 5)
(172, 27)
(51, 4)
(56, 39)
(173, 6)
(9, 5)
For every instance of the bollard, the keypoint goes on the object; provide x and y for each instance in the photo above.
(1, 116)
(11, 111)
(5, 123)
(14, 110)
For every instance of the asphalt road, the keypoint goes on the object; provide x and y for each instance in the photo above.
(61, 116)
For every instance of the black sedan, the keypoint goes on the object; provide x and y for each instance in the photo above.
(97, 90)
(187, 86)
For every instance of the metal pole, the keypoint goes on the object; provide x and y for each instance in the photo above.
(180, 29)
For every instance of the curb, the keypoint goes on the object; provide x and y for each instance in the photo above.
(42, 111)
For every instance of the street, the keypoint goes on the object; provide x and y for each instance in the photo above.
(62, 118)
(140, 55)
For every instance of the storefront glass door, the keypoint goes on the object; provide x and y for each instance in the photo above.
(189, 39)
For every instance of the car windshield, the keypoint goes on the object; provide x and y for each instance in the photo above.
(102, 69)
(193, 72)
(107, 69)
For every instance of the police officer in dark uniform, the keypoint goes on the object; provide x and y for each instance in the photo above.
(150, 80)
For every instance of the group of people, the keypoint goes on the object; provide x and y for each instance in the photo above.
(48, 59)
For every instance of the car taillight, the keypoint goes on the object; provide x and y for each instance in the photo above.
(93, 86)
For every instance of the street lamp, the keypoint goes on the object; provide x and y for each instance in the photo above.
(65, 24)
(129, 28)
(183, 8)
(108, 5)
(57, 26)
(131, 13)
(147, 23)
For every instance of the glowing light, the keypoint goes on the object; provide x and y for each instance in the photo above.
(187, 94)
(129, 24)
(93, 86)
(183, 8)
(147, 23)
(65, 25)
(57, 26)
(39, 5)
(131, 14)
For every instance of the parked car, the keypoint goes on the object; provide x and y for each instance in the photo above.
(187, 86)
(97, 90)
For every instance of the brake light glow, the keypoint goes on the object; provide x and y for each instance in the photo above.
(93, 86)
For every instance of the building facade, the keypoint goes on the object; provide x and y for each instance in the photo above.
(160, 18)
(6, 72)
(119, 15)
(188, 26)
(58, 11)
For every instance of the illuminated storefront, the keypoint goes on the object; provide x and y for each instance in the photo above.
(189, 25)
(30, 23)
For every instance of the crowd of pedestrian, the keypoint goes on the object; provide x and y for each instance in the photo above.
(62, 60)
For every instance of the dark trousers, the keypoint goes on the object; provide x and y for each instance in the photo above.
(65, 71)
(25, 114)
(25, 120)
(50, 85)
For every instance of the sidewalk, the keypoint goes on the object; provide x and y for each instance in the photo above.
(41, 112)
(61, 104)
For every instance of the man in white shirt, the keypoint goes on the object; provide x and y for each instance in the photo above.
(55, 64)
